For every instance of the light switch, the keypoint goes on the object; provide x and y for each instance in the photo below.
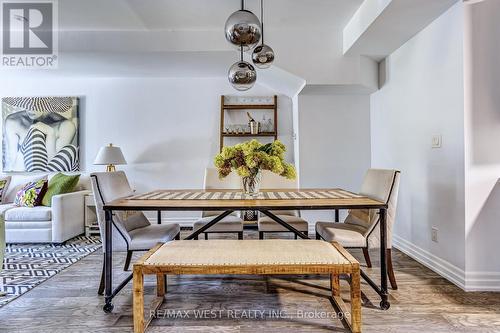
(436, 141)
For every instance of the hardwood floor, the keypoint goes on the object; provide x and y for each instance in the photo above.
(424, 302)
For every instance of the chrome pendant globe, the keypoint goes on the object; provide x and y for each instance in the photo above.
(242, 75)
(263, 56)
(243, 28)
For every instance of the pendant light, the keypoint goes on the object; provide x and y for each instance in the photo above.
(242, 75)
(243, 28)
(262, 55)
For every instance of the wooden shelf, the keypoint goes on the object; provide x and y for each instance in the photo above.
(249, 107)
(248, 134)
(240, 107)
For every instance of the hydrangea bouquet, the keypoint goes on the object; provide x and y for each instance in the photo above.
(249, 158)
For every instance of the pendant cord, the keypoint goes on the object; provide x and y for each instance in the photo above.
(242, 4)
(241, 52)
(262, 19)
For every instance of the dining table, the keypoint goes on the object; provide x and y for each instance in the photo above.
(229, 201)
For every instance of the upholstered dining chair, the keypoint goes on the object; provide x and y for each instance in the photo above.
(230, 224)
(131, 231)
(361, 227)
(266, 224)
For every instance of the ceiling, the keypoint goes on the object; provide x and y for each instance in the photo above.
(99, 15)
(179, 38)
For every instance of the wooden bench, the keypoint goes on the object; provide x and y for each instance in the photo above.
(259, 257)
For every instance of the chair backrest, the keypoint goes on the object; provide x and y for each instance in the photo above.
(271, 181)
(109, 186)
(213, 182)
(381, 185)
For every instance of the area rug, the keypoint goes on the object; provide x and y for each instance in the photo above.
(27, 265)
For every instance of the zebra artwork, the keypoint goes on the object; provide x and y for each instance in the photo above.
(40, 134)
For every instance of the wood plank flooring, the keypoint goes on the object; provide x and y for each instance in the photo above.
(425, 302)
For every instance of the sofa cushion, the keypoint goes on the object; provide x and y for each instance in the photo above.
(5, 207)
(38, 213)
(4, 185)
(16, 183)
(59, 184)
(28, 226)
(31, 194)
(83, 182)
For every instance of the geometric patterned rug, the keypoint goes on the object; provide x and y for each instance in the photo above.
(27, 265)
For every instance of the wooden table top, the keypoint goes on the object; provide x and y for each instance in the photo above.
(360, 202)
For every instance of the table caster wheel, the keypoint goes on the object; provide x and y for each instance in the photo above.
(384, 305)
(108, 307)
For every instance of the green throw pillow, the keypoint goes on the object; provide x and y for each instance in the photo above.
(60, 184)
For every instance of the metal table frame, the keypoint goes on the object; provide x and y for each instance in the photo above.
(110, 293)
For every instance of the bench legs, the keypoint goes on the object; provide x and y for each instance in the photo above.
(161, 284)
(355, 301)
(138, 306)
(140, 324)
(335, 284)
(354, 321)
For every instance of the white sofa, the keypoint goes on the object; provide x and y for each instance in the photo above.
(56, 224)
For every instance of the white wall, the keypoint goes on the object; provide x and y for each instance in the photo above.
(482, 117)
(422, 97)
(334, 144)
(168, 129)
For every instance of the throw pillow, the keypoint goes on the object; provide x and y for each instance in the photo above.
(31, 194)
(59, 184)
(4, 184)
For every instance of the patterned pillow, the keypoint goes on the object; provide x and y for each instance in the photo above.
(32, 193)
(4, 184)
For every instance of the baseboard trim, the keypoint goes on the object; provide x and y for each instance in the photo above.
(482, 281)
(468, 281)
(442, 267)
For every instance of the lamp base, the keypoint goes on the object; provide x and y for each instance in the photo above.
(110, 168)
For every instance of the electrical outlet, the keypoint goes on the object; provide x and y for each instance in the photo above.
(436, 141)
(434, 234)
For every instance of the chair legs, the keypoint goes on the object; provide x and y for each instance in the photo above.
(127, 260)
(390, 270)
(240, 235)
(261, 235)
(367, 257)
(101, 284)
(206, 235)
(178, 236)
(318, 237)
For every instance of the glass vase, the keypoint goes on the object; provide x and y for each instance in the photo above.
(251, 184)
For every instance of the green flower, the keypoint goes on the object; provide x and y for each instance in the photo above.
(249, 157)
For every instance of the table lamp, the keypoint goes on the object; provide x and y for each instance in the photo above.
(110, 156)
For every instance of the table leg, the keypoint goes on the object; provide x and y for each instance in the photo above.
(284, 224)
(108, 262)
(195, 234)
(384, 304)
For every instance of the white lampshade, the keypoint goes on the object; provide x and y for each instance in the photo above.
(110, 155)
